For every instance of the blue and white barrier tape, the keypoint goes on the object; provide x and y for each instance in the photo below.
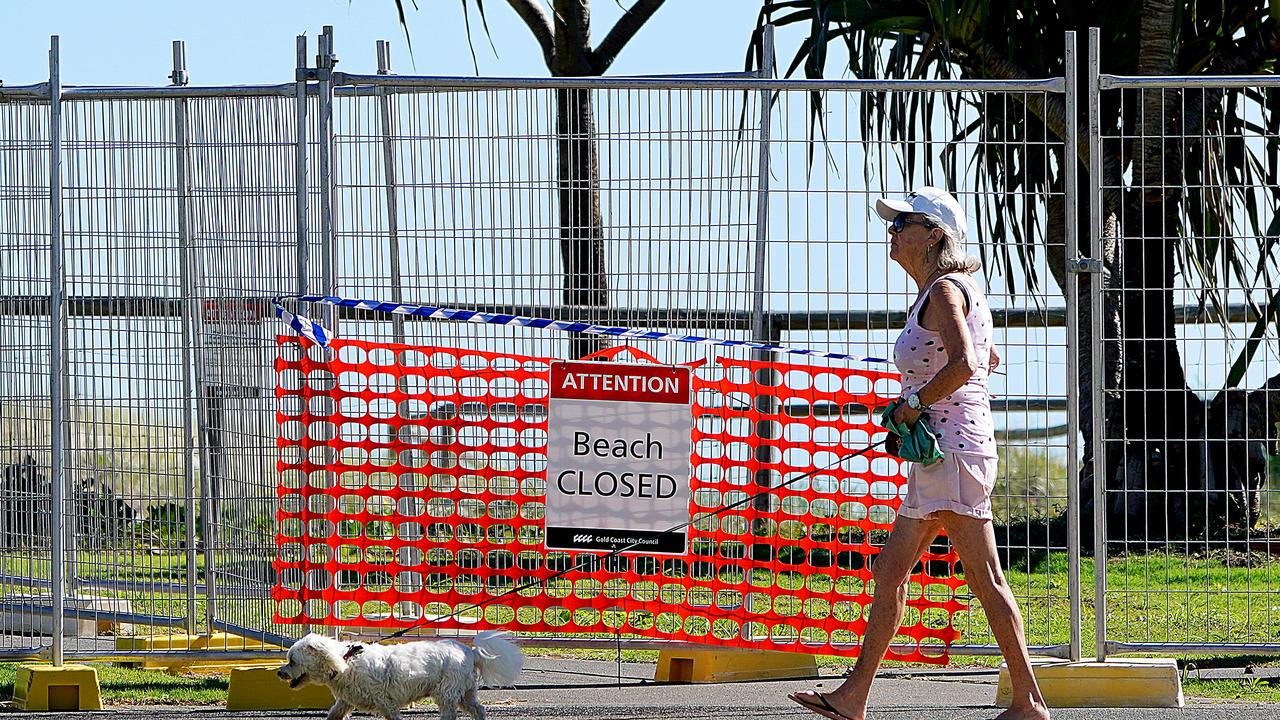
(318, 334)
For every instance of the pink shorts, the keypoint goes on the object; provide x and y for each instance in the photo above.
(960, 482)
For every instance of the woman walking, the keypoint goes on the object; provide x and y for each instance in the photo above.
(944, 355)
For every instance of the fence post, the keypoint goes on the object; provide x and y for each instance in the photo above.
(759, 332)
(1071, 215)
(325, 60)
(57, 363)
(389, 178)
(767, 428)
(1096, 305)
(300, 166)
(191, 308)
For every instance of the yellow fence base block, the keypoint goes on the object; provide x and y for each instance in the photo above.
(44, 687)
(1127, 682)
(732, 665)
(181, 641)
(261, 689)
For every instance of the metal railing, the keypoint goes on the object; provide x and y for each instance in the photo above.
(145, 231)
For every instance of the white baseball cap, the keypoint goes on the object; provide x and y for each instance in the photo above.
(936, 204)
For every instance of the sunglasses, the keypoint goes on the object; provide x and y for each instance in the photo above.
(901, 221)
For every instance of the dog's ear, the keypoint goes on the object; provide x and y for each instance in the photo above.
(328, 657)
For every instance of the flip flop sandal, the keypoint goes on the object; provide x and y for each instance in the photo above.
(821, 707)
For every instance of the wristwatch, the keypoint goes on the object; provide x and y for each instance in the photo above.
(913, 402)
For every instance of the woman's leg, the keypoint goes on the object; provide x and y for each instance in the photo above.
(892, 568)
(975, 541)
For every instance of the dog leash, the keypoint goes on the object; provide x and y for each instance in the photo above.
(356, 648)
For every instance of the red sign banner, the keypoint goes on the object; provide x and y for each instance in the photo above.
(620, 382)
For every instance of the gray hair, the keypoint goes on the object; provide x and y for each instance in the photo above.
(950, 256)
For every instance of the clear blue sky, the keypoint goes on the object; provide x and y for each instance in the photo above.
(127, 42)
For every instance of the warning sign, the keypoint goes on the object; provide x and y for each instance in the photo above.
(618, 456)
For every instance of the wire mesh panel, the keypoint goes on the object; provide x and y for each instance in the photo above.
(25, 489)
(720, 208)
(245, 240)
(1190, 363)
(455, 198)
(733, 209)
(179, 222)
(128, 462)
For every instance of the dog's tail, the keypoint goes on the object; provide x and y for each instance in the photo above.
(497, 658)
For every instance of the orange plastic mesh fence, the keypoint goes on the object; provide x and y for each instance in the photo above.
(412, 483)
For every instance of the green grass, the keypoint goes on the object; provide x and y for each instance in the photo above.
(1153, 597)
(1251, 690)
(141, 565)
(135, 451)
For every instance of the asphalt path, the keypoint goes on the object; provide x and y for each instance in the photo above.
(599, 690)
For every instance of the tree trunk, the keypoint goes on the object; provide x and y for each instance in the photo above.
(578, 172)
(1153, 447)
(1154, 450)
(1151, 420)
(1244, 427)
(581, 224)
(1111, 331)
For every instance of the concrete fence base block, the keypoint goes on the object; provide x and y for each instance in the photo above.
(732, 665)
(261, 689)
(30, 614)
(1127, 682)
(45, 688)
(172, 642)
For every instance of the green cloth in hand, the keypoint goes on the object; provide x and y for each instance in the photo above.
(917, 443)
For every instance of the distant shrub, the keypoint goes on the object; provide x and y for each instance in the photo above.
(167, 522)
(102, 516)
(1032, 483)
(27, 506)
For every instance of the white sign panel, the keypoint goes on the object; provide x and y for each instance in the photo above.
(618, 457)
(238, 350)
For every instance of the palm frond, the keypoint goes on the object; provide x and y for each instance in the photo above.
(1231, 171)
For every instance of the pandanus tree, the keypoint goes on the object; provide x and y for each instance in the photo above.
(564, 36)
(1192, 188)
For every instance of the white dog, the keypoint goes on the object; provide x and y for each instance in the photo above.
(386, 678)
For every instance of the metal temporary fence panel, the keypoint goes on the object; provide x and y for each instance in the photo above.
(449, 197)
(833, 285)
(174, 208)
(246, 235)
(25, 486)
(127, 464)
(1185, 395)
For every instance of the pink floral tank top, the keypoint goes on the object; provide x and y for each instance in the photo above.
(961, 420)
